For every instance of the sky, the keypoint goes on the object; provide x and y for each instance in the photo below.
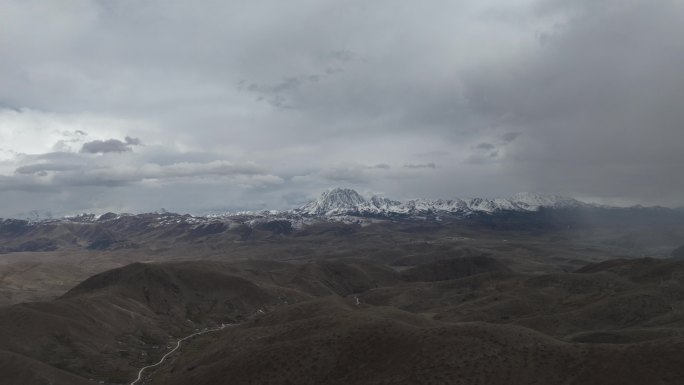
(212, 106)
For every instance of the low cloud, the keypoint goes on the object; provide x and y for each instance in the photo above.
(510, 136)
(382, 165)
(485, 146)
(348, 174)
(69, 170)
(132, 174)
(360, 174)
(132, 141)
(110, 145)
(42, 168)
(483, 157)
(420, 165)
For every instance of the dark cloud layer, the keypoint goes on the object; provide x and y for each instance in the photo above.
(599, 102)
(265, 103)
(109, 145)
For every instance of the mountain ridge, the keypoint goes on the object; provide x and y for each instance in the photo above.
(345, 201)
(347, 205)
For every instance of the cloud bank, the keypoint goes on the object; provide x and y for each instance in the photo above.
(134, 106)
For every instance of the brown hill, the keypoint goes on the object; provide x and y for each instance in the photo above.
(115, 321)
(334, 342)
(179, 291)
(26, 371)
(110, 323)
(463, 320)
(618, 299)
(446, 269)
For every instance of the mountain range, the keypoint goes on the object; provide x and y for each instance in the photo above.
(343, 201)
(338, 203)
(348, 289)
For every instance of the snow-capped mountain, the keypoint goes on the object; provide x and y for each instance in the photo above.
(336, 201)
(340, 201)
(341, 205)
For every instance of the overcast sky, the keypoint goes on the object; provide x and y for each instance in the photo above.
(138, 105)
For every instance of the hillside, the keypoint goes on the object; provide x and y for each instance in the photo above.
(454, 320)
(334, 342)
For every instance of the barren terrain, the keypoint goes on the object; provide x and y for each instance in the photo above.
(400, 302)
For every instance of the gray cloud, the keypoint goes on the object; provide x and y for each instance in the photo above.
(381, 165)
(127, 175)
(485, 146)
(420, 165)
(360, 175)
(282, 93)
(510, 136)
(132, 141)
(41, 168)
(353, 175)
(598, 102)
(152, 167)
(578, 98)
(109, 145)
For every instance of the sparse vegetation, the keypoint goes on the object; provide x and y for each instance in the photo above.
(362, 310)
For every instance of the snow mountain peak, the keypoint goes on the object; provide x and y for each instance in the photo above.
(344, 201)
(335, 201)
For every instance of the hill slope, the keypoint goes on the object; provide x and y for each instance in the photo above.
(356, 321)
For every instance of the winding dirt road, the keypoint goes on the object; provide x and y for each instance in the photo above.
(178, 345)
